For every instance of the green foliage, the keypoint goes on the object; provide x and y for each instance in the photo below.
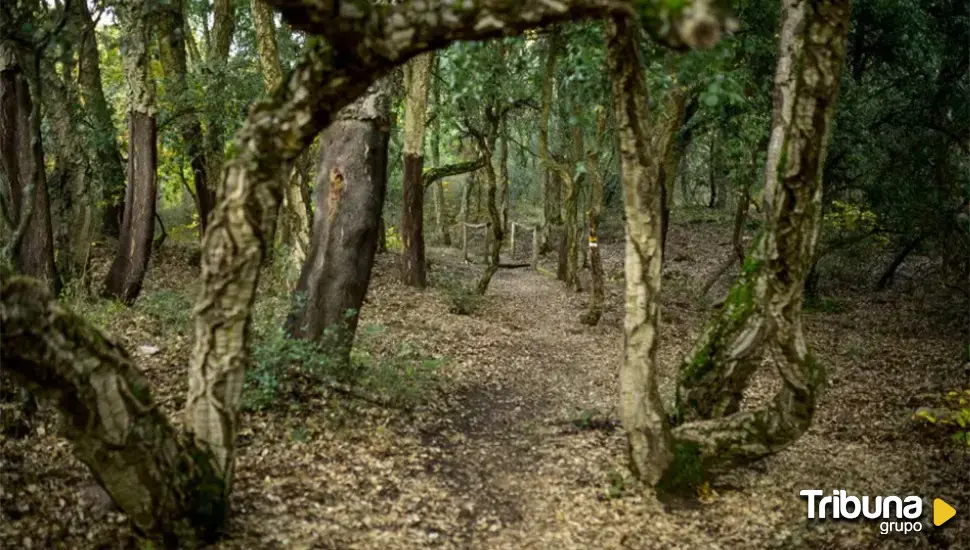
(462, 297)
(170, 308)
(685, 475)
(823, 304)
(953, 415)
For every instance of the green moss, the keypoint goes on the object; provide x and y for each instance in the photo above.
(686, 471)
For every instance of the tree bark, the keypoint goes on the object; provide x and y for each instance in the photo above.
(595, 311)
(293, 234)
(417, 75)
(350, 197)
(217, 56)
(60, 99)
(762, 316)
(641, 410)
(171, 42)
(110, 172)
(551, 215)
(127, 272)
(22, 162)
(441, 218)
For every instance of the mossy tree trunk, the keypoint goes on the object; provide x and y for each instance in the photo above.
(417, 75)
(762, 316)
(495, 133)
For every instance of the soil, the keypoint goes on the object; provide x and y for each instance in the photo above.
(516, 445)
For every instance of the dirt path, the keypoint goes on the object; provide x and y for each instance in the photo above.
(519, 449)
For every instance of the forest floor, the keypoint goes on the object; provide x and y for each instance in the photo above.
(504, 435)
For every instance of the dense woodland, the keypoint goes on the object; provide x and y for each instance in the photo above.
(527, 274)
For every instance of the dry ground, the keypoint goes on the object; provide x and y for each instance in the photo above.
(515, 446)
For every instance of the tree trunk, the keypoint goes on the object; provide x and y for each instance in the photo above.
(350, 197)
(110, 172)
(417, 75)
(223, 26)
(293, 234)
(75, 167)
(762, 316)
(887, 276)
(173, 31)
(595, 311)
(127, 272)
(669, 150)
(641, 410)
(441, 219)
(550, 197)
(493, 243)
(22, 161)
(160, 478)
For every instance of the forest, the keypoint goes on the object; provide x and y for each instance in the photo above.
(484, 273)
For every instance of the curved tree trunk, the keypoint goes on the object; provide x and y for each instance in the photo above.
(641, 410)
(223, 27)
(127, 272)
(22, 162)
(350, 196)
(762, 316)
(417, 74)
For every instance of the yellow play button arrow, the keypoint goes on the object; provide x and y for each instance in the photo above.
(942, 512)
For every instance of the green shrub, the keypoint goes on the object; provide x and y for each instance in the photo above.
(462, 298)
(171, 309)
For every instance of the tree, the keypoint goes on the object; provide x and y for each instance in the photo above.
(27, 207)
(417, 75)
(762, 315)
(294, 223)
(173, 31)
(174, 486)
(127, 271)
(350, 196)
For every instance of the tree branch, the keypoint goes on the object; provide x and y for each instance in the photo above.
(439, 172)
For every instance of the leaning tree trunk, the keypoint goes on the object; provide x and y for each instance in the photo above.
(173, 31)
(138, 223)
(417, 75)
(762, 316)
(110, 173)
(350, 196)
(641, 410)
(22, 161)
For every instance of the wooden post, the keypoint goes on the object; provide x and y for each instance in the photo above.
(512, 241)
(488, 239)
(464, 240)
(535, 247)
